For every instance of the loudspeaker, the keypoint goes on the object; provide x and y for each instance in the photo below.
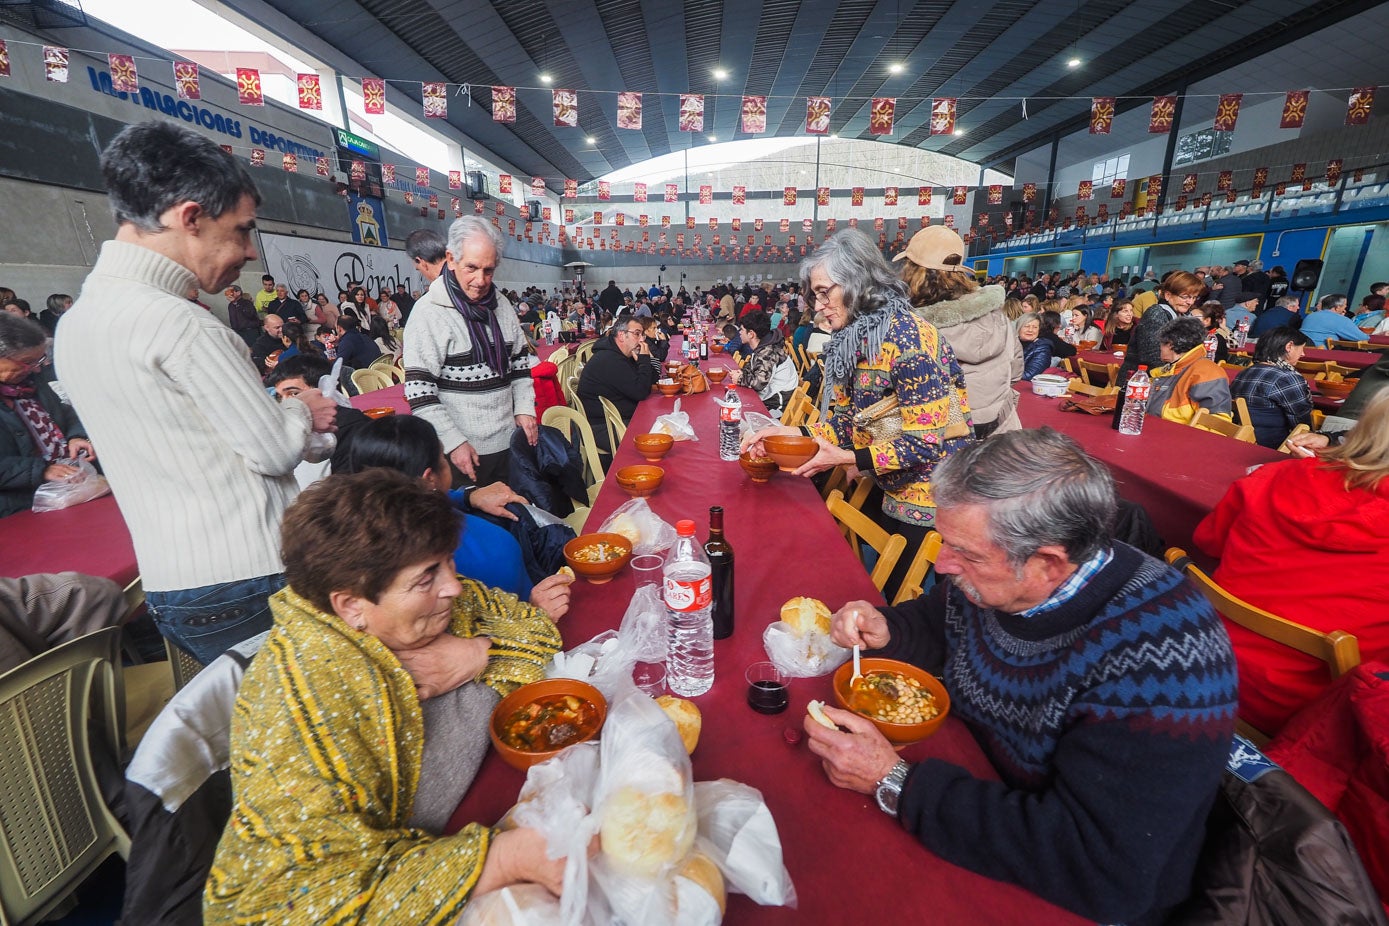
(477, 184)
(534, 206)
(1306, 274)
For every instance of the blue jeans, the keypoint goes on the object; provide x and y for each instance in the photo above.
(206, 621)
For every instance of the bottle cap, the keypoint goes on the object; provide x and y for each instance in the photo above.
(1143, 366)
(685, 528)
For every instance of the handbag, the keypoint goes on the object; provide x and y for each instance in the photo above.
(883, 421)
(1090, 404)
(692, 379)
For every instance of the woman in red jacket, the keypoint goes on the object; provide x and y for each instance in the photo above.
(1307, 540)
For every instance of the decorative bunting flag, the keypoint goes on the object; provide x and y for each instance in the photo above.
(713, 223)
(525, 210)
(321, 166)
(785, 225)
(571, 191)
(853, 223)
(737, 225)
(500, 210)
(1230, 196)
(672, 193)
(856, 196)
(1299, 172)
(1280, 189)
(1085, 191)
(1116, 189)
(880, 115)
(248, 87)
(358, 171)
(1225, 180)
(1359, 105)
(504, 183)
(373, 94)
(186, 81)
(960, 194)
(1205, 199)
(257, 157)
(565, 104)
(5, 60)
(689, 221)
(55, 64)
(537, 186)
(889, 196)
(877, 224)
(436, 101)
(1333, 171)
(457, 205)
(822, 196)
(817, 115)
(706, 194)
(1164, 110)
(422, 176)
(639, 192)
(754, 114)
(1181, 202)
(740, 195)
(1029, 192)
(455, 180)
(597, 218)
(123, 76)
(942, 115)
(923, 196)
(290, 162)
(478, 206)
(806, 225)
(605, 192)
(691, 112)
(788, 196)
(503, 104)
(1306, 185)
(757, 224)
(545, 213)
(1294, 109)
(1359, 175)
(1101, 115)
(629, 110)
(1189, 183)
(901, 221)
(388, 173)
(1260, 178)
(1155, 186)
(1227, 111)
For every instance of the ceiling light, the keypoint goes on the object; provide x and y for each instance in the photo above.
(546, 78)
(834, 135)
(713, 138)
(1073, 63)
(720, 73)
(591, 140)
(959, 131)
(895, 67)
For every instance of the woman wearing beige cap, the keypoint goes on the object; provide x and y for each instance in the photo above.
(945, 293)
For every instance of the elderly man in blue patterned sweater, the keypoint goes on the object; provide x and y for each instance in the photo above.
(1098, 681)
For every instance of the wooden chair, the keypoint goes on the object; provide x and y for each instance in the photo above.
(860, 529)
(369, 380)
(574, 426)
(922, 563)
(797, 406)
(1089, 370)
(617, 429)
(1286, 447)
(1334, 344)
(1338, 649)
(1082, 388)
(837, 480)
(1344, 371)
(1318, 417)
(1242, 411)
(1205, 421)
(1311, 366)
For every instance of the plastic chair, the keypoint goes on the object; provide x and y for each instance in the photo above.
(560, 354)
(1205, 421)
(914, 581)
(860, 529)
(183, 664)
(1338, 649)
(617, 429)
(370, 380)
(585, 350)
(57, 720)
(1286, 447)
(574, 426)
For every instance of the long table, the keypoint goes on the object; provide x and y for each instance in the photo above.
(90, 538)
(848, 861)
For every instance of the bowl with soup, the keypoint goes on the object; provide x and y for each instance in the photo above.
(598, 557)
(906, 703)
(539, 720)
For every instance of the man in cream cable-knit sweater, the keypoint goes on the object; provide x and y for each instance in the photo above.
(200, 458)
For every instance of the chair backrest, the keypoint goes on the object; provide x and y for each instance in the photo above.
(574, 426)
(1205, 421)
(617, 429)
(1335, 344)
(560, 354)
(1098, 374)
(55, 829)
(1334, 367)
(1083, 388)
(1311, 366)
(369, 380)
(1286, 447)
(1338, 649)
(915, 579)
(861, 529)
(182, 663)
(585, 350)
(797, 407)
(1242, 411)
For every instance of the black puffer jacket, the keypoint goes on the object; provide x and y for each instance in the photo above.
(623, 381)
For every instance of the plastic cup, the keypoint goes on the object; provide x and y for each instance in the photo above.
(647, 569)
(766, 688)
(650, 677)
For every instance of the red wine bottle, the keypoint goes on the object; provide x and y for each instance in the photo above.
(720, 553)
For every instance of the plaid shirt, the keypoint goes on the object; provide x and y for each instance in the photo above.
(1066, 590)
(1275, 389)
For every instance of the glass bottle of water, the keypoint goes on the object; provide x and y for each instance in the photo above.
(689, 598)
(1135, 403)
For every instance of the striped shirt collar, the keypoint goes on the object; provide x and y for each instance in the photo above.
(1067, 590)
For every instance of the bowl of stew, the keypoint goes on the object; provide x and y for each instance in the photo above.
(906, 703)
(539, 720)
(598, 557)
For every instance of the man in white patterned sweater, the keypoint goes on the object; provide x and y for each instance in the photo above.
(200, 458)
(467, 363)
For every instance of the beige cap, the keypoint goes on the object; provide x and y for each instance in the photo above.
(931, 246)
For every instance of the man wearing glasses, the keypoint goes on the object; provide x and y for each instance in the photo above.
(620, 371)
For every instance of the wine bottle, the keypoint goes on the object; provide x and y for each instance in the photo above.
(720, 553)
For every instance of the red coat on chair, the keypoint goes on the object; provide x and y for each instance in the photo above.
(545, 376)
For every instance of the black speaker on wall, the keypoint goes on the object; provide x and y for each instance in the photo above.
(1306, 274)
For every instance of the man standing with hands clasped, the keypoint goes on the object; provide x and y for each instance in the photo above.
(200, 459)
(1098, 682)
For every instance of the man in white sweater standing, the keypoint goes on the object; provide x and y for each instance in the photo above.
(200, 458)
(467, 364)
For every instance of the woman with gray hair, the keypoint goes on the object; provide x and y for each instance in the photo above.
(894, 397)
(40, 437)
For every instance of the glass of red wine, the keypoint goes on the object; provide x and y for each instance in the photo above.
(766, 688)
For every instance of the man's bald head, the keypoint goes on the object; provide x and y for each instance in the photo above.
(273, 325)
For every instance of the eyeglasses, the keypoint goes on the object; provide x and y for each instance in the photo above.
(823, 295)
(33, 366)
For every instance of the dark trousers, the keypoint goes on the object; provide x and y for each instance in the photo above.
(915, 535)
(491, 467)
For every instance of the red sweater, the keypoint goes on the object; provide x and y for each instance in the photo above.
(1293, 541)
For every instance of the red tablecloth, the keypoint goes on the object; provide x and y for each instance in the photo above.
(1380, 339)
(391, 396)
(1100, 356)
(849, 863)
(90, 538)
(1176, 472)
(1346, 358)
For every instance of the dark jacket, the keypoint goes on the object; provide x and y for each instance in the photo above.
(624, 381)
(550, 474)
(356, 350)
(21, 468)
(241, 315)
(1276, 317)
(610, 299)
(542, 544)
(265, 346)
(1372, 380)
(1036, 357)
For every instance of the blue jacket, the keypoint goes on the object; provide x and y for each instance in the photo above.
(1319, 326)
(1036, 357)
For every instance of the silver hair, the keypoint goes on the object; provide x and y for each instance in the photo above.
(1256, 265)
(19, 334)
(1331, 301)
(1289, 302)
(1037, 487)
(471, 227)
(853, 262)
(1027, 318)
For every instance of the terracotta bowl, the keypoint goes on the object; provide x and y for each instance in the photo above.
(1335, 390)
(1087, 345)
(620, 549)
(670, 389)
(716, 347)
(716, 376)
(898, 734)
(640, 481)
(524, 759)
(385, 411)
(654, 446)
(790, 452)
(759, 468)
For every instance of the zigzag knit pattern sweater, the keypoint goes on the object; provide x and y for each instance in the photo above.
(1109, 721)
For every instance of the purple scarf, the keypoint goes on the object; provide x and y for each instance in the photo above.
(49, 440)
(484, 331)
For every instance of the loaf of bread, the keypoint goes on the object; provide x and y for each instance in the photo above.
(687, 719)
(642, 831)
(806, 615)
(700, 870)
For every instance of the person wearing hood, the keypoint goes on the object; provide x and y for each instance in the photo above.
(1324, 519)
(770, 371)
(944, 292)
(621, 372)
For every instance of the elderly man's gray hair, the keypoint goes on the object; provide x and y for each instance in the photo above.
(1331, 301)
(473, 228)
(19, 334)
(1037, 487)
(853, 262)
(1290, 302)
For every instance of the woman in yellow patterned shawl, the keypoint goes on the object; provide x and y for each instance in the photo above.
(328, 733)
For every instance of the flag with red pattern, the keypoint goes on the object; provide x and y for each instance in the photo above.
(689, 221)
(785, 225)
(1299, 172)
(290, 162)
(822, 196)
(1358, 107)
(996, 194)
(1230, 196)
(1333, 171)
(186, 81)
(757, 224)
(248, 87)
(571, 188)
(504, 183)
(55, 64)
(1280, 189)
(960, 194)
(788, 196)
(436, 102)
(1225, 180)
(1189, 183)
(5, 60)
(1260, 178)
(856, 196)
(1160, 117)
(691, 112)
(124, 79)
(740, 195)
(456, 205)
(923, 196)
(1086, 190)
(817, 115)
(1155, 185)
(1205, 199)
(1181, 202)
(478, 206)
(1029, 192)
(455, 180)
(605, 190)
(706, 194)
(422, 176)
(321, 166)
(257, 157)
(1294, 109)
(629, 110)
(545, 213)
(358, 170)
(889, 196)
(672, 193)
(1101, 115)
(503, 104)
(754, 114)
(373, 95)
(1116, 189)
(537, 186)
(943, 115)
(565, 105)
(388, 173)
(1227, 111)
(880, 115)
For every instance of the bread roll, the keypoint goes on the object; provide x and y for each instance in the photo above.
(700, 870)
(687, 719)
(626, 525)
(516, 905)
(643, 832)
(806, 615)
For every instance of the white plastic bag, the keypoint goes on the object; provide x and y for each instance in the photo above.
(737, 832)
(517, 905)
(320, 445)
(606, 661)
(756, 421)
(676, 424)
(635, 520)
(83, 486)
(802, 655)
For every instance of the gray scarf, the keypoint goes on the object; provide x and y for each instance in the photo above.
(862, 338)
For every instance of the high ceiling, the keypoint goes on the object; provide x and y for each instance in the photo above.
(990, 54)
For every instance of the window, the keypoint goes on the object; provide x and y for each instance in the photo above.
(1106, 172)
(1202, 144)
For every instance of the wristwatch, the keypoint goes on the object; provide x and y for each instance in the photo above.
(889, 790)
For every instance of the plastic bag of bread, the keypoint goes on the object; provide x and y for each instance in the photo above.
(607, 660)
(676, 423)
(636, 521)
(517, 905)
(799, 643)
(737, 833)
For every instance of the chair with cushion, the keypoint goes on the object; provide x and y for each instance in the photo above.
(1205, 421)
(859, 529)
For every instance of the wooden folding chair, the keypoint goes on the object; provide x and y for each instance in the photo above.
(1242, 412)
(1205, 421)
(1077, 387)
(797, 406)
(1338, 649)
(1345, 371)
(1286, 447)
(1311, 366)
(1098, 374)
(1335, 344)
(860, 529)
(574, 426)
(922, 563)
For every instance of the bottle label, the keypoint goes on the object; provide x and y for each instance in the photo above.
(693, 595)
(733, 413)
(1138, 391)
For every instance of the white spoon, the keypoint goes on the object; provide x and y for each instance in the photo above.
(857, 674)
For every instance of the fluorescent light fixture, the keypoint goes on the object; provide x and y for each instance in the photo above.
(546, 79)
(720, 73)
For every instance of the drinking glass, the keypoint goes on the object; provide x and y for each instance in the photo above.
(648, 570)
(766, 688)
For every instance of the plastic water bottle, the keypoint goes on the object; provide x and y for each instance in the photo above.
(689, 597)
(730, 423)
(1240, 336)
(1211, 345)
(1135, 403)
